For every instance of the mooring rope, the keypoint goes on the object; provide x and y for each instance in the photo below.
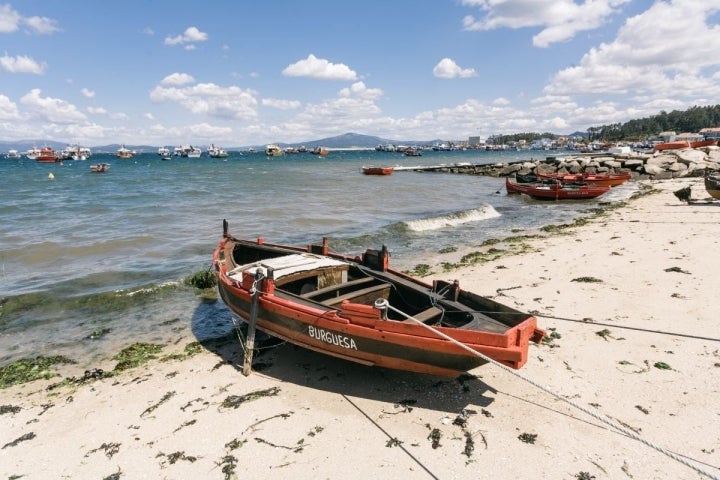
(382, 304)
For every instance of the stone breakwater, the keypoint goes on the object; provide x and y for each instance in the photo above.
(667, 164)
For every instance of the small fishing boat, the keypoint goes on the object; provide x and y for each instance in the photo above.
(373, 170)
(217, 152)
(712, 183)
(601, 179)
(360, 310)
(100, 167)
(47, 155)
(274, 151)
(680, 144)
(124, 152)
(556, 190)
(322, 151)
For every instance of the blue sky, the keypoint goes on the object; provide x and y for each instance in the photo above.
(242, 72)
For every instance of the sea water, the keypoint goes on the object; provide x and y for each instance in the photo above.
(91, 262)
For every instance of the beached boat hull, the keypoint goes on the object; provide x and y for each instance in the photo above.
(378, 170)
(712, 184)
(556, 191)
(679, 145)
(597, 179)
(325, 302)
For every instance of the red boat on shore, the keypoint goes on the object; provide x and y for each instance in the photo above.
(47, 155)
(599, 179)
(372, 170)
(556, 190)
(680, 144)
(360, 310)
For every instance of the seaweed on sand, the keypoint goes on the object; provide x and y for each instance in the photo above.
(29, 369)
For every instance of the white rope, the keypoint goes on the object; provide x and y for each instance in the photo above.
(382, 304)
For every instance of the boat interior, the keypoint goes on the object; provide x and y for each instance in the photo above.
(316, 279)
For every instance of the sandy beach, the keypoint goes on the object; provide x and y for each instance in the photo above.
(629, 301)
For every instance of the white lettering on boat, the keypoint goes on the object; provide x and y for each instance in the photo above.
(332, 338)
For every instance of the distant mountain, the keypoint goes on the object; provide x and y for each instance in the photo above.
(346, 140)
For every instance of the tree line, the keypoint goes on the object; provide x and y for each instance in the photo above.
(691, 120)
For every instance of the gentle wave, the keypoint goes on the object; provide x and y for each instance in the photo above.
(452, 219)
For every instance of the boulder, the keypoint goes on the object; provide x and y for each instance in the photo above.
(691, 155)
(653, 169)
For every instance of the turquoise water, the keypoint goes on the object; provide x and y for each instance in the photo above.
(85, 253)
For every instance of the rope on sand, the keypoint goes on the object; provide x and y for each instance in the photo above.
(382, 304)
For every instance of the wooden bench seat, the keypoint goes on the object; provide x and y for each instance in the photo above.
(368, 294)
(337, 287)
(427, 314)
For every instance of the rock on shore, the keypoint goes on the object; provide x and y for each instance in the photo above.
(663, 165)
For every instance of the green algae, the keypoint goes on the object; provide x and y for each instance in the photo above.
(135, 355)
(29, 369)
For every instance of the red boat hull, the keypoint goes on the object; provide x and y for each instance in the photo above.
(684, 144)
(378, 170)
(359, 332)
(598, 179)
(557, 191)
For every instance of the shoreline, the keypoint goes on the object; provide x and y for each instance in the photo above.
(647, 299)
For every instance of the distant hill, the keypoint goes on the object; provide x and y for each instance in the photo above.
(347, 140)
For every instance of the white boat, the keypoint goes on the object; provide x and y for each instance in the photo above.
(12, 154)
(163, 151)
(124, 152)
(177, 151)
(75, 152)
(189, 151)
(274, 151)
(33, 153)
(217, 152)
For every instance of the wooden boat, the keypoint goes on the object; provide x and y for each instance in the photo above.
(680, 144)
(274, 151)
(338, 306)
(601, 179)
(373, 170)
(557, 190)
(124, 152)
(47, 155)
(322, 151)
(712, 183)
(413, 152)
(100, 167)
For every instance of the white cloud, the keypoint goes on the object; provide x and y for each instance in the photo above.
(210, 99)
(561, 20)
(42, 25)
(319, 68)
(641, 60)
(8, 109)
(9, 19)
(21, 64)
(149, 116)
(97, 110)
(191, 35)
(177, 80)
(88, 93)
(281, 104)
(447, 68)
(50, 109)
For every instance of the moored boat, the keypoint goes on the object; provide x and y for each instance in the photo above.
(12, 154)
(600, 179)
(217, 152)
(357, 309)
(322, 151)
(47, 155)
(274, 151)
(124, 152)
(373, 170)
(556, 190)
(712, 183)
